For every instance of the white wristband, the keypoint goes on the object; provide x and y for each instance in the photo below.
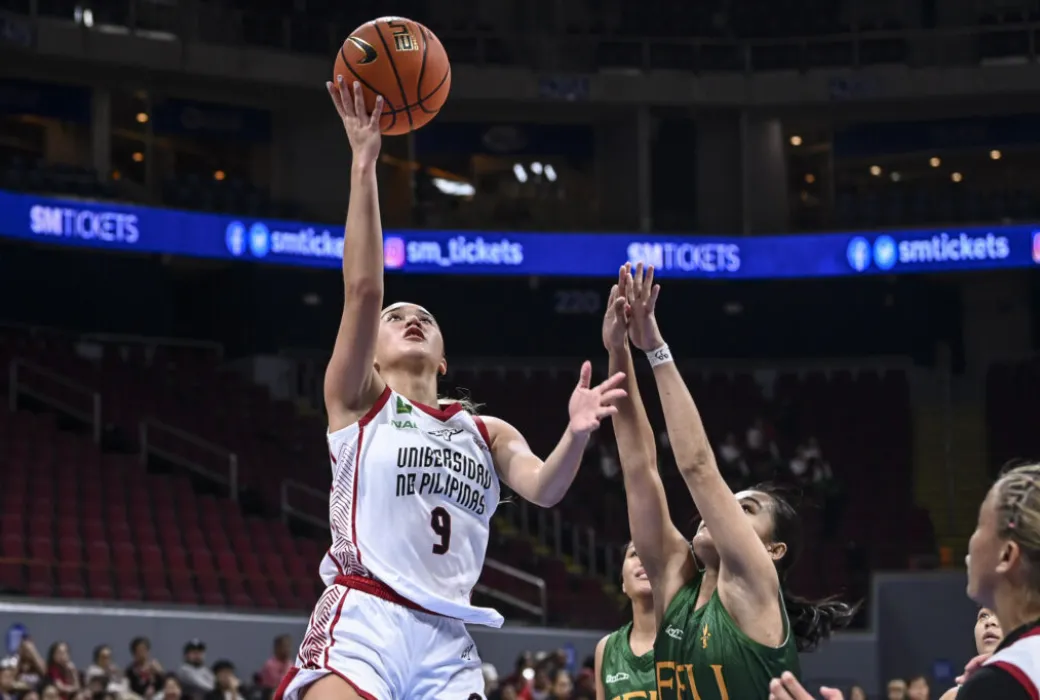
(660, 356)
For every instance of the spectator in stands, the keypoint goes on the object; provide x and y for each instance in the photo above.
(918, 689)
(196, 679)
(31, 668)
(7, 691)
(539, 687)
(897, 689)
(490, 679)
(278, 665)
(523, 671)
(49, 691)
(562, 685)
(144, 673)
(761, 451)
(585, 685)
(227, 683)
(171, 689)
(731, 461)
(61, 671)
(104, 675)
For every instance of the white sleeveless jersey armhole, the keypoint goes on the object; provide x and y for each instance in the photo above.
(1022, 660)
(413, 492)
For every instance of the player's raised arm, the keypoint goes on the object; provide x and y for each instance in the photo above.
(745, 564)
(663, 551)
(351, 382)
(545, 482)
(597, 668)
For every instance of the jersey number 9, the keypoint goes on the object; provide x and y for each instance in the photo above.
(440, 521)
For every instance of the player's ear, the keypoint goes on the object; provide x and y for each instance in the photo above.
(777, 550)
(442, 367)
(1010, 552)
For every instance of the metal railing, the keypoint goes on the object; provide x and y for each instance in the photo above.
(578, 544)
(539, 610)
(30, 379)
(155, 436)
(150, 342)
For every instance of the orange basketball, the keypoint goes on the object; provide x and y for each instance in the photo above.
(405, 63)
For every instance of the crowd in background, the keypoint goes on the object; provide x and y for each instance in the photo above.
(29, 675)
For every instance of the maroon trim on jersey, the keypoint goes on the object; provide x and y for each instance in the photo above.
(332, 631)
(362, 423)
(279, 694)
(441, 414)
(483, 431)
(339, 567)
(379, 590)
(1020, 676)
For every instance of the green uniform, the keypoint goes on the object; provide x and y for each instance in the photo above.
(703, 655)
(626, 676)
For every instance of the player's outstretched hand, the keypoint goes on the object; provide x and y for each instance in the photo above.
(615, 320)
(591, 404)
(362, 128)
(642, 298)
(787, 687)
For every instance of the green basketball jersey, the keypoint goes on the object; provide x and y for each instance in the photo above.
(703, 655)
(626, 676)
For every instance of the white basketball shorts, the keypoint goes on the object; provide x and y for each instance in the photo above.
(384, 647)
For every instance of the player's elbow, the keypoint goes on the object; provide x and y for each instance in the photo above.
(696, 462)
(544, 499)
(363, 288)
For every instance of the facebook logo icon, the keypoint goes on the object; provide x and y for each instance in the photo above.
(235, 237)
(859, 253)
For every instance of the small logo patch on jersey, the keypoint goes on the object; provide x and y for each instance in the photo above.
(402, 407)
(673, 632)
(616, 678)
(705, 636)
(404, 425)
(445, 433)
(467, 653)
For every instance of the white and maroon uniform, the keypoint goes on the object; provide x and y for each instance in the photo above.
(413, 492)
(1021, 659)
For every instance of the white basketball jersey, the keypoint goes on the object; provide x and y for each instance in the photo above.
(1022, 660)
(413, 492)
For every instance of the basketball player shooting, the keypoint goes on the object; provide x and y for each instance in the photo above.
(414, 481)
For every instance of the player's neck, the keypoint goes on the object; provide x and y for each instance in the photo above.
(421, 388)
(644, 625)
(1014, 610)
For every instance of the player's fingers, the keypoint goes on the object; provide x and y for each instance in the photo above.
(831, 693)
(613, 395)
(585, 376)
(377, 112)
(345, 98)
(359, 102)
(333, 91)
(648, 282)
(653, 296)
(619, 307)
(611, 383)
(605, 412)
(637, 280)
(613, 297)
(777, 691)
